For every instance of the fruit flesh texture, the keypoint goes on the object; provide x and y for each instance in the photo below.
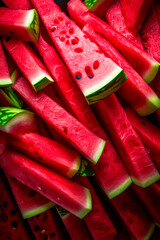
(134, 91)
(98, 7)
(53, 186)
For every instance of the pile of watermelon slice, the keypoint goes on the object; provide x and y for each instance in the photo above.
(79, 120)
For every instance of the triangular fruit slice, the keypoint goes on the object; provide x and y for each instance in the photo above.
(23, 24)
(96, 75)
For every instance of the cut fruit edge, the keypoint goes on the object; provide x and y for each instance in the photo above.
(82, 213)
(150, 232)
(149, 181)
(6, 82)
(32, 24)
(99, 152)
(149, 75)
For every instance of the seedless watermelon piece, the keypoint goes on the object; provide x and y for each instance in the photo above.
(135, 90)
(143, 63)
(137, 161)
(96, 75)
(29, 201)
(149, 134)
(115, 19)
(28, 63)
(58, 118)
(5, 79)
(18, 4)
(48, 152)
(23, 24)
(53, 186)
(98, 7)
(135, 12)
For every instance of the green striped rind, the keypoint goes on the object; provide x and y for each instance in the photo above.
(15, 74)
(62, 212)
(32, 24)
(6, 82)
(12, 97)
(98, 153)
(149, 107)
(36, 211)
(118, 190)
(151, 73)
(105, 88)
(81, 214)
(85, 169)
(147, 182)
(75, 167)
(150, 232)
(7, 113)
(39, 83)
(93, 4)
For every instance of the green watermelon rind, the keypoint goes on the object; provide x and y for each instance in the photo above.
(150, 232)
(147, 182)
(98, 153)
(32, 24)
(105, 88)
(6, 82)
(118, 190)
(93, 4)
(36, 211)
(40, 82)
(81, 214)
(150, 107)
(7, 113)
(12, 97)
(151, 73)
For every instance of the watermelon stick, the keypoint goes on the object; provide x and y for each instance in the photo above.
(135, 90)
(90, 145)
(143, 63)
(149, 134)
(18, 4)
(98, 7)
(58, 189)
(22, 24)
(5, 79)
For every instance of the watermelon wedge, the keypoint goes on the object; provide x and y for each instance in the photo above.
(71, 222)
(90, 145)
(5, 79)
(150, 196)
(13, 120)
(96, 75)
(53, 186)
(29, 201)
(135, 90)
(18, 4)
(48, 152)
(23, 24)
(144, 64)
(149, 134)
(137, 161)
(135, 12)
(28, 63)
(133, 215)
(116, 20)
(98, 7)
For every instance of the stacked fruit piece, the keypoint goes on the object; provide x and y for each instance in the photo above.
(79, 116)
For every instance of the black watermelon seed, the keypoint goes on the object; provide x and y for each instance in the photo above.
(3, 217)
(36, 228)
(90, 76)
(52, 234)
(14, 224)
(13, 212)
(78, 77)
(143, 123)
(32, 193)
(5, 204)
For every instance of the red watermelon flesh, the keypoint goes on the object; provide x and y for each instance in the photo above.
(150, 196)
(5, 100)
(115, 19)
(75, 226)
(130, 147)
(18, 4)
(58, 189)
(98, 7)
(42, 128)
(22, 24)
(5, 79)
(48, 152)
(135, 12)
(11, 223)
(112, 184)
(28, 63)
(149, 134)
(135, 91)
(2, 142)
(45, 226)
(29, 201)
(133, 215)
(90, 145)
(143, 63)
(96, 75)
(97, 221)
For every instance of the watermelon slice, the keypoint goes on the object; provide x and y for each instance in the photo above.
(5, 79)
(71, 222)
(149, 134)
(134, 91)
(135, 12)
(53, 186)
(90, 145)
(28, 63)
(143, 63)
(46, 226)
(96, 75)
(11, 222)
(29, 201)
(11, 97)
(133, 215)
(98, 7)
(115, 19)
(137, 161)
(18, 4)
(13, 120)
(23, 24)
(48, 152)
(150, 196)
